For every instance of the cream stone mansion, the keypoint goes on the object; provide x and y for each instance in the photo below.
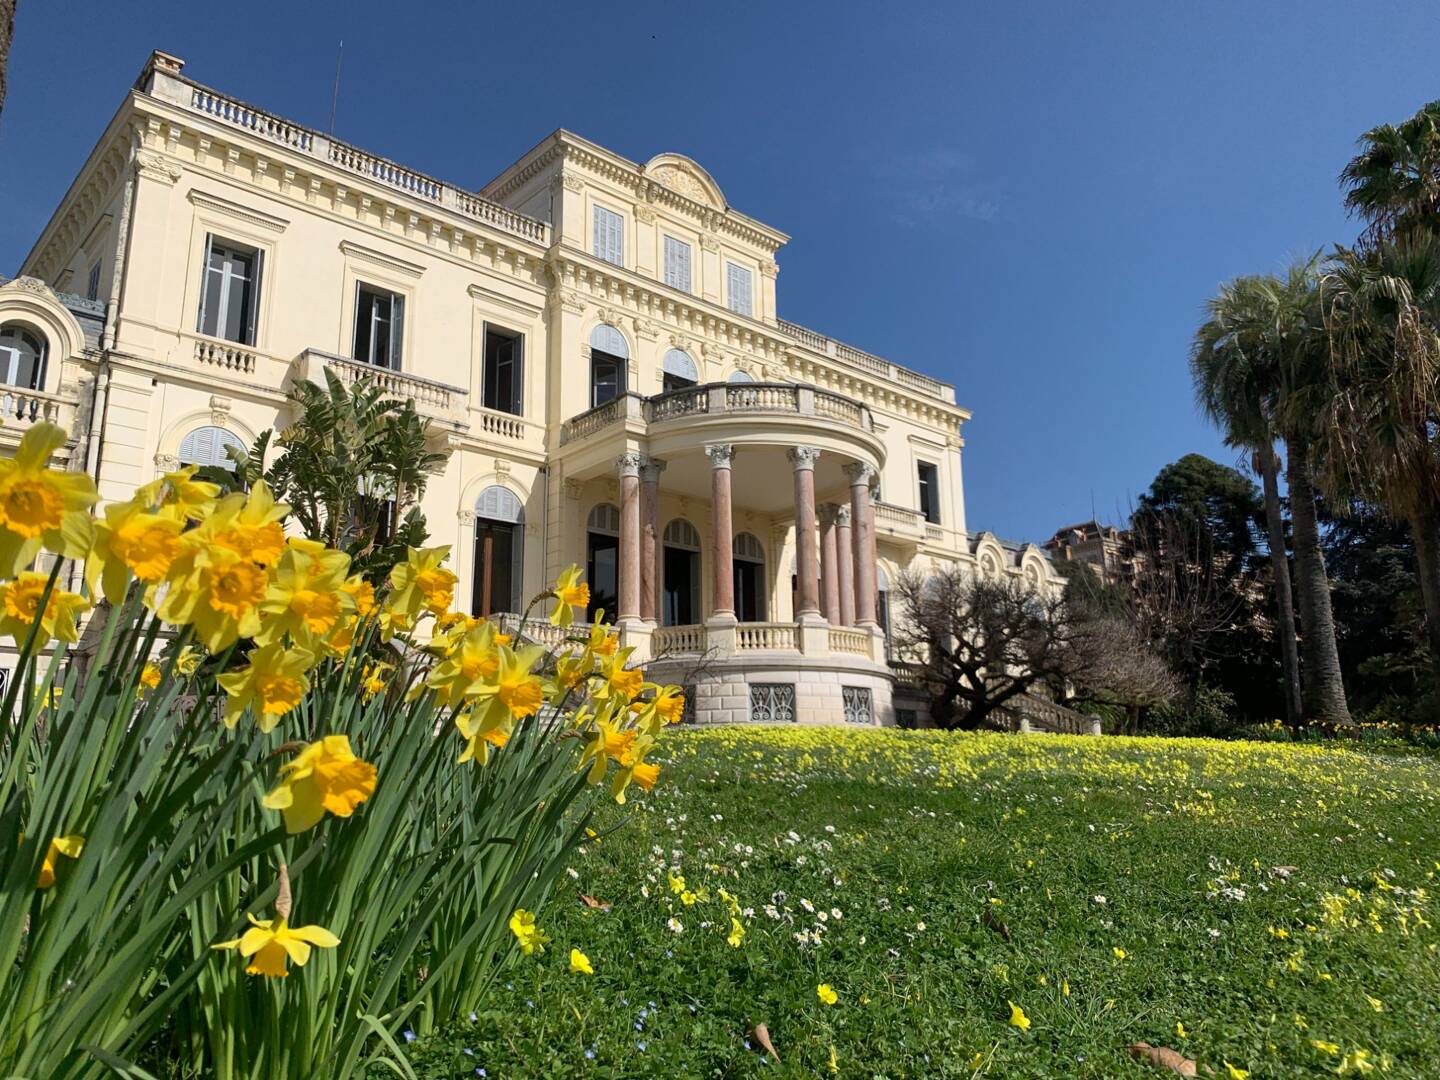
(597, 347)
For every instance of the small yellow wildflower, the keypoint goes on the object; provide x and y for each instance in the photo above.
(522, 925)
(580, 963)
(1180, 1031)
(1120, 953)
(834, 1063)
(70, 846)
(1356, 1063)
(737, 933)
(1374, 1003)
(272, 942)
(826, 994)
(1017, 1017)
(149, 677)
(1325, 1047)
(1234, 1072)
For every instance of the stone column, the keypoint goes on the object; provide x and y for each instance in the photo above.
(629, 466)
(862, 518)
(806, 563)
(650, 472)
(722, 559)
(829, 563)
(844, 566)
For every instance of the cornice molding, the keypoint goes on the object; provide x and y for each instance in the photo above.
(206, 200)
(379, 258)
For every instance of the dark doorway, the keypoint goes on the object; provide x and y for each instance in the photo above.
(682, 587)
(497, 566)
(602, 571)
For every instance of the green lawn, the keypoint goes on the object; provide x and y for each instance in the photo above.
(1273, 900)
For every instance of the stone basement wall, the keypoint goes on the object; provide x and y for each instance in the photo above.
(721, 688)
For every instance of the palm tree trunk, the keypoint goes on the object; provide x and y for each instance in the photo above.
(1322, 688)
(1425, 531)
(1268, 464)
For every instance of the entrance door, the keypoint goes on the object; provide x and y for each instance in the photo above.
(499, 544)
(680, 561)
(749, 578)
(602, 571)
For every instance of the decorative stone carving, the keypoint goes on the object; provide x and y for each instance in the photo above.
(644, 214)
(156, 166)
(803, 457)
(651, 470)
(860, 473)
(571, 182)
(720, 454)
(167, 462)
(680, 341)
(710, 243)
(682, 181)
(770, 268)
(647, 329)
(466, 518)
(219, 409)
(630, 463)
(30, 284)
(842, 515)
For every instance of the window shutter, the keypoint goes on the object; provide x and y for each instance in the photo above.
(600, 233)
(397, 331)
(252, 317)
(517, 371)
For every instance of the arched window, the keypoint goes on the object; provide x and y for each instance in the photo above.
(602, 559)
(499, 551)
(679, 370)
(22, 356)
(740, 377)
(609, 356)
(207, 446)
(680, 562)
(749, 556)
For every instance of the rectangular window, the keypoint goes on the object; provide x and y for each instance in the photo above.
(503, 355)
(230, 297)
(609, 236)
(92, 287)
(772, 703)
(859, 704)
(929, 477)
(379, 326)
(677, 264)
(738, 289)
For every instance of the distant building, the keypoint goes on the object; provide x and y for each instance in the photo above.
(1108, 550)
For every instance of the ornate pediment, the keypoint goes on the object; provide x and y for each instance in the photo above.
(685, 177)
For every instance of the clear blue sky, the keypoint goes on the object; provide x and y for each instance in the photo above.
(1029, 200)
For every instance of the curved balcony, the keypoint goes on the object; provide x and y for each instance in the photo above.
(722, 400)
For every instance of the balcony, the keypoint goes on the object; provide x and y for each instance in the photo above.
(21, 409)
(721, 400)
(433, 400)
(869, 362)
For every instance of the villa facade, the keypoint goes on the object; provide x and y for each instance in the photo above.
(596, 344)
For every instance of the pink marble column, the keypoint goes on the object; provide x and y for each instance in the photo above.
(862, 518)
(722, 541)
(806, 562)
(829, 563)
(629, 602)
(845, 566)
(650, 471)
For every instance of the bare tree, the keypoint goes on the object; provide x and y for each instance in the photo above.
(979, 643)
(1115, 665)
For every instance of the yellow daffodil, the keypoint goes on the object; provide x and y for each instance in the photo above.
(826, 994)
(634, 768)
(325, 777)
(179, 496)
(270, 943)
(70, 846)
(737, 933)
(512, 693)
(666, 706)
(472, 659)
(340, 640)
(130, 539)
(362, 593)
(608, 741)
(1333, 1049)
(375, 678)
(42, 507)
(218, 593)
(477, 746)
(150, 676)
(273, 683)
(249, 525)
(1018, 1019)
(603, 641)
(1374, 1002)
(522, 925)
(188, 662)
(420, 583)
(306, 598)
(570, 593)
(616, 680)
(580, 963)
(20, 607)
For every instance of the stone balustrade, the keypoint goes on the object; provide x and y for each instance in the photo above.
(534, 631)
(868, 362)
(434, 399)
(844, 639)
(768, 636)
(668, 640)
(21, 407)
(227, 356)
(302, 140)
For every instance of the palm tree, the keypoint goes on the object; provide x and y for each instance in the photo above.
(1380, 416)
(1235, 377)
(1394, 181)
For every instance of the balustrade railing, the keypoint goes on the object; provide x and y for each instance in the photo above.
(869, 362)
(846, 410)
(677, 403)
(766, 636)
(678, 639)
(900, 516)
(762, 397)
(501, 425)
(226, 355)
(537, 631)
(429, 396)
(843, 639)
(266, 125)
(588, 423)
(21, 407)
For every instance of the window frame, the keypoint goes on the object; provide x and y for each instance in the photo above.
(41, 344)
(250, 333)
(92, 282)
(927, 490)
(396, 332)
(517, 363)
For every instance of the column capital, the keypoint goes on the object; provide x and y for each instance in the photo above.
(720, 454)
(842, 516)
(803, 457)
(650, 470)
(860, 473)
(630, 463)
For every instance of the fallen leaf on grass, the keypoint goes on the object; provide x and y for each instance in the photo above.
(591, 902)
(762, 1036)
(1162, 1057)
(989, 919)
